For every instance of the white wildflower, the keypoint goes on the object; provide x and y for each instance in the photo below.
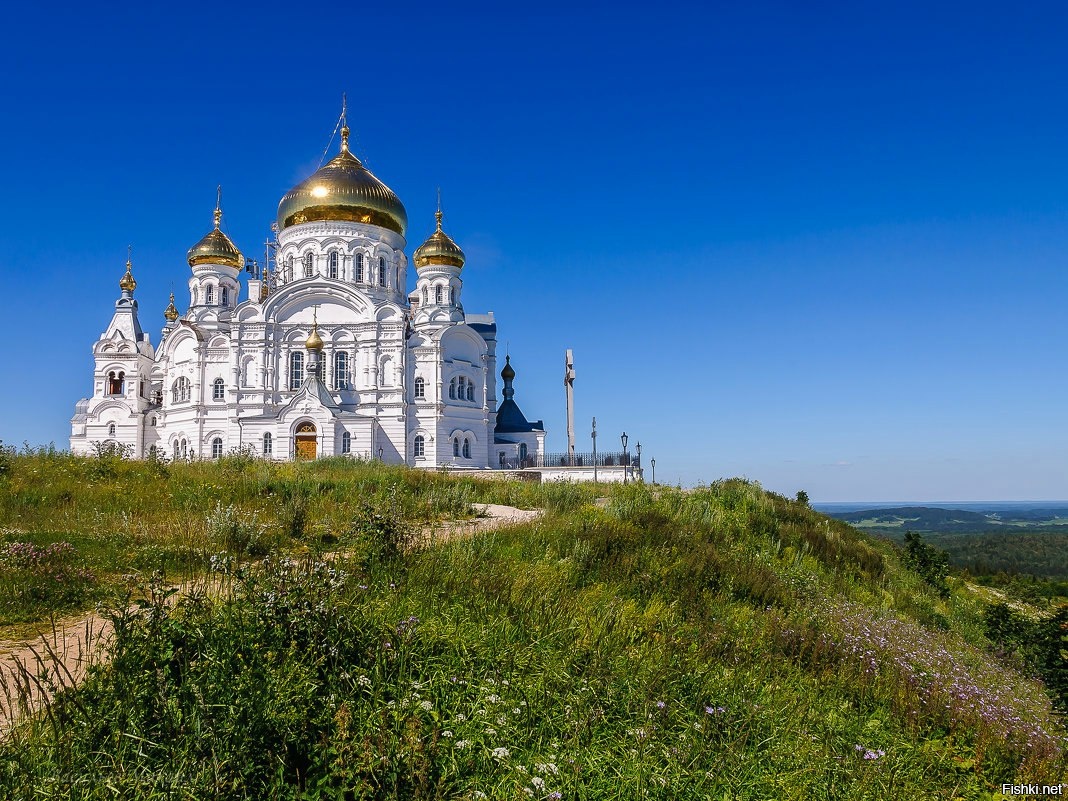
(500, 753)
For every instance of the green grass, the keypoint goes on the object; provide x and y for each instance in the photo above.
(720, 643)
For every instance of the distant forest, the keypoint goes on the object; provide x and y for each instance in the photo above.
(1002, 548)
(937, 520)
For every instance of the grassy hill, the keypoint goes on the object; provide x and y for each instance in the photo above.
(720, 643)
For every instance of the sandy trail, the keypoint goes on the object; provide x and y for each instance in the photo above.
(33, 671)
(490, 516)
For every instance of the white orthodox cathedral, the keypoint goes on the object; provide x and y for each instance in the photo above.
(328, 354)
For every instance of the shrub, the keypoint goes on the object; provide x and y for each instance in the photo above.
(383, 530)
(929, 562)
(238, 532)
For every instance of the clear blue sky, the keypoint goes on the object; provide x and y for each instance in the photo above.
(820, 245)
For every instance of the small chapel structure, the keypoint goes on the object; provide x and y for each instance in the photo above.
(329, 353)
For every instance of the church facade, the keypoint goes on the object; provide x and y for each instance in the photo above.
(328, 354)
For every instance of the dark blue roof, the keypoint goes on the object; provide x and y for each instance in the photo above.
(510, 420)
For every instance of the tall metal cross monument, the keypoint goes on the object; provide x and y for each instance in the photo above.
(569, 386)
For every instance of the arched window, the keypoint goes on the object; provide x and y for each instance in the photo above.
(455, 446)
(467, 448)
(152, 421)
(522, 452)
(346, 442)
(225, 301)
(460, 389)
(296, 369)
(437, 295)
(420, 387)
(426, 296)
(180, 390)
(267, 444)
(359, 268)
(216, 448)
(341, 370)
(176, 451)
(185, 449)
(218, 390)
(420, 446)
(209, 295)
(452, 389)
(289, 267)
(381, 271)
(116, 382)
(309, 265)
(470, 390)
(333, 264)
(452, 296)
(111, 430)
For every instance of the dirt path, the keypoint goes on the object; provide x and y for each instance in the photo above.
(33, 671)
(490, 516)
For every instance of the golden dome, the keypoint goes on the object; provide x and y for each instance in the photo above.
(508, 373)
(343, 189)
(216, 248)
(127, 282)
(171, 313)
(314, 341)
(438, 249)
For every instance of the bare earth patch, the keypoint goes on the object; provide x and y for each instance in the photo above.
(490, 516)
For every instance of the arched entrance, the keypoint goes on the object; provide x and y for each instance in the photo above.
(305, 441)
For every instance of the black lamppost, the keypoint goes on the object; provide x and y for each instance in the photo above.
(638, 448)
(594, 435)
(623, 439)
(652, 464)
(380, 454)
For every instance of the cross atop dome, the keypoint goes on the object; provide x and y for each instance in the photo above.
(127, 282)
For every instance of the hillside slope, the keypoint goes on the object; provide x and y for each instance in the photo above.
(719, 643)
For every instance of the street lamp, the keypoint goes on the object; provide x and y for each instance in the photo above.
(652, 464)
(623, 439)
(594, 435)
(380, 454)
(638, 448)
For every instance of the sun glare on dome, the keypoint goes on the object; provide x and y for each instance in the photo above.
(320, 191)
